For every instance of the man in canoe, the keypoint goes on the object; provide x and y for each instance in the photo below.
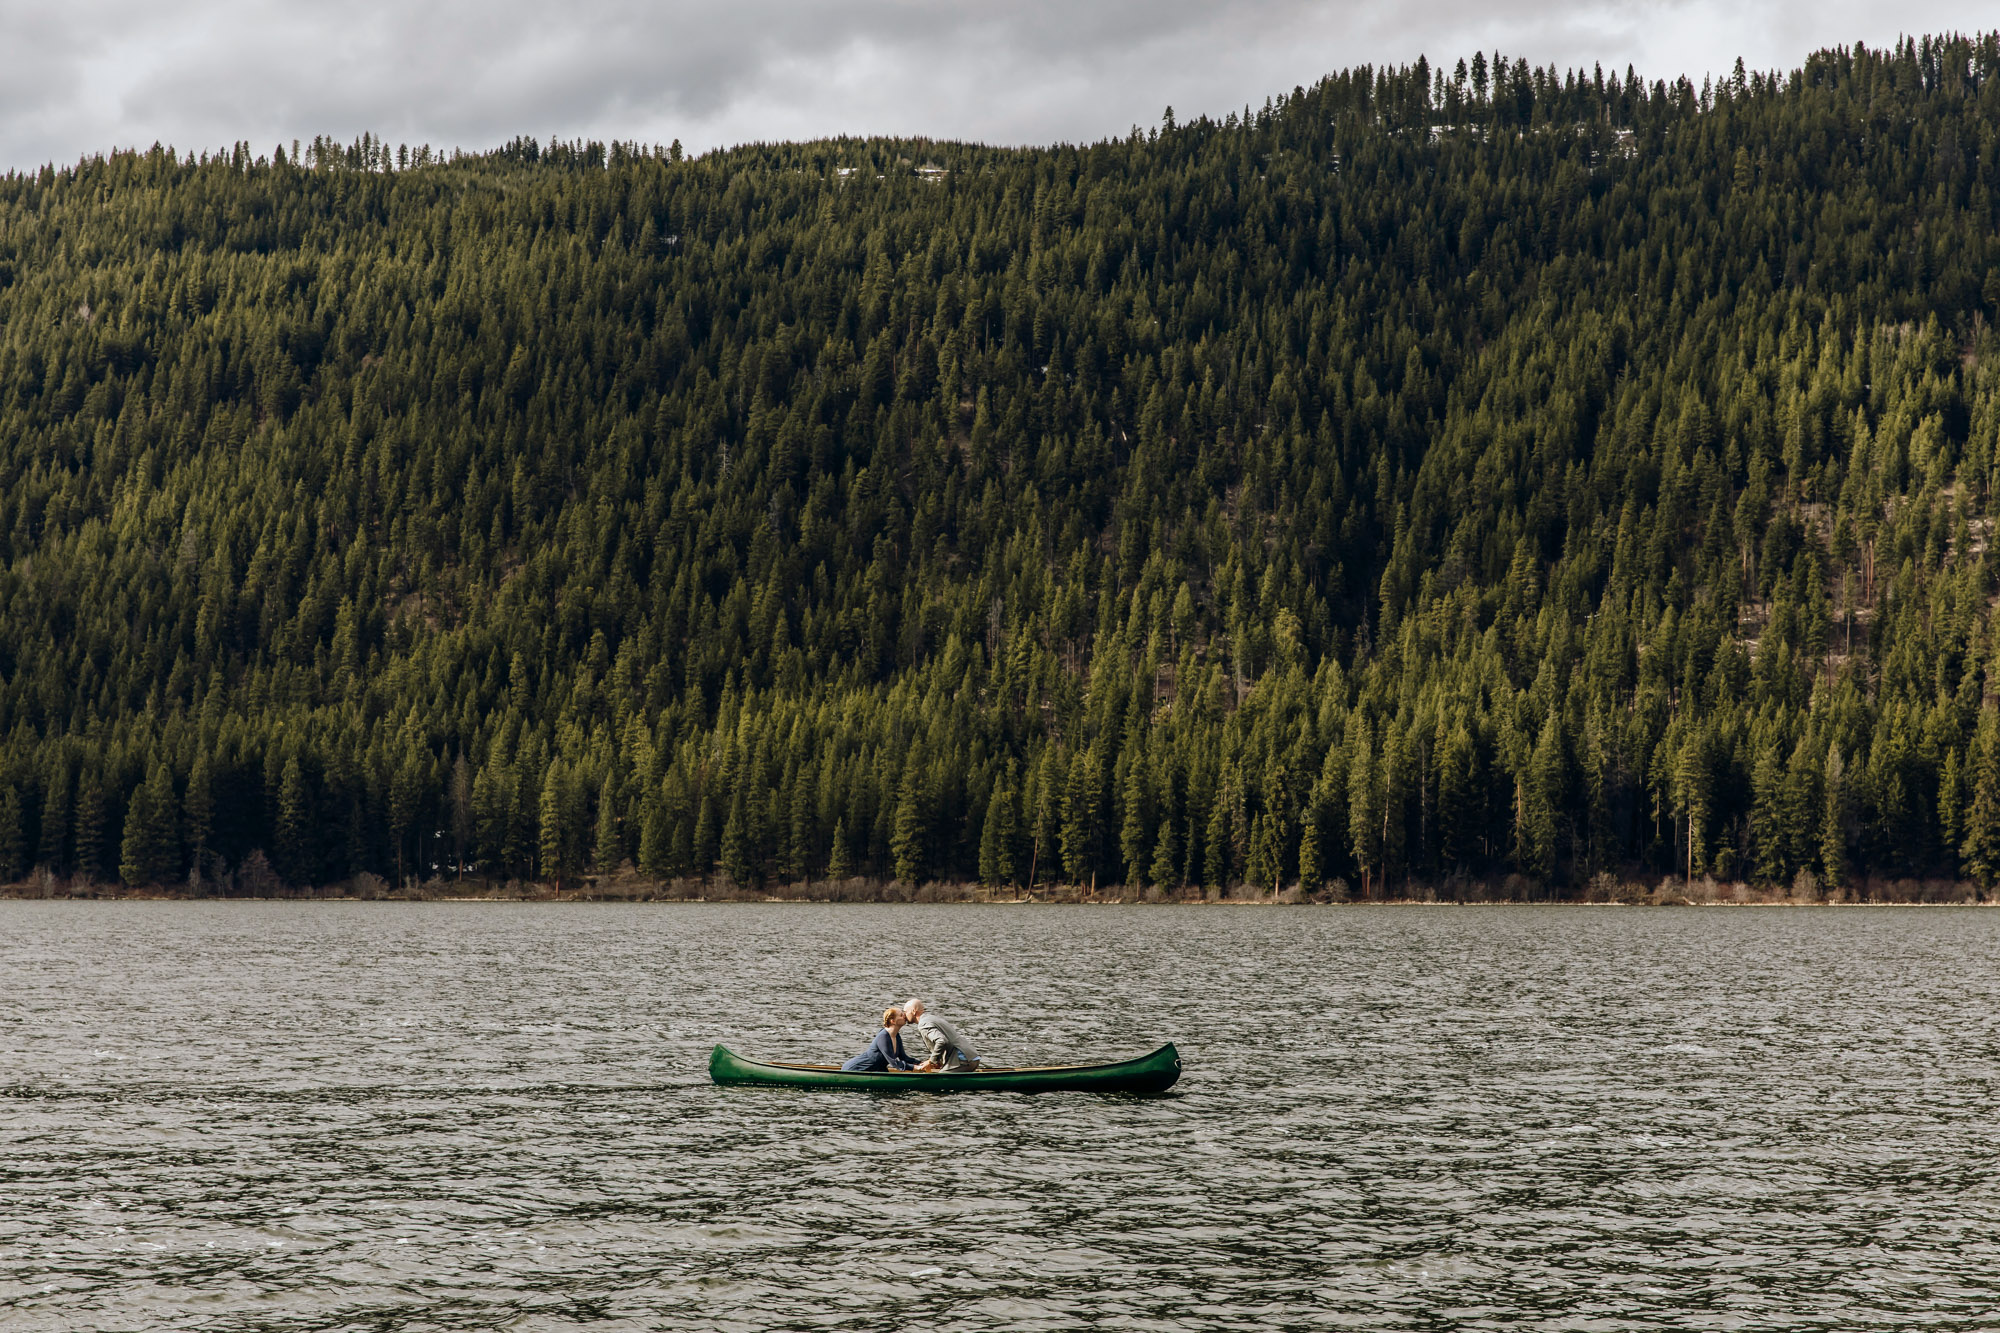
(950, 1052)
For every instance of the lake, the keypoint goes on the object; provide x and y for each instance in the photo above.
(289, 1116)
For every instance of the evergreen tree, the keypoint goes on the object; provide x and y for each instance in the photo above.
(1833, 823)
(1047, 804)
(1218, 841)
(13, 847)
(610, 843)
(464, 818)
(838, 866)
(906, 843)
(1166, 870)
(1541, 796)
(198, 814)
(1135, 842)
(1768, 817)
(551, 845)
(1263, 862)
(1080, 806)
(705, 847)
(656, 841)
(1458, 802)
(1951, 804)
(1363, 807)
(147, 852)
(90, 831)
(56, 821)
(736, 840)
(1981, 848)
(796, 813)
(1693, 797)
(1799, 815)
(293, 819)
(1312, 868)
(405, 791)
(998, 833)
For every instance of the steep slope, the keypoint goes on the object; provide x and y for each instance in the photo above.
(1476, 471)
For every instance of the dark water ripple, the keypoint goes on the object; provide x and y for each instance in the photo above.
(390, 1117)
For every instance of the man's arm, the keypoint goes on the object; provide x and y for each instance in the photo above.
(934, 1042)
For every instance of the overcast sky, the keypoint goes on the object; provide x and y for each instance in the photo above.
(85, 75)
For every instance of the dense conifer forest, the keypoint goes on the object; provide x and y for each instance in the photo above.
(1435, 473)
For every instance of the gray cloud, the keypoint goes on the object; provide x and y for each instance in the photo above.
(93, 74)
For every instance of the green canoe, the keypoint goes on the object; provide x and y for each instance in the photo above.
(1148, 1073)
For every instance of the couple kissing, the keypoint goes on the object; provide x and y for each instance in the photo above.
(949, 1052)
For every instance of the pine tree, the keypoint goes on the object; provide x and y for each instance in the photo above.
(405, 789)
(794, 823)
(293, 818)
(837, 864)
(90, 830)
(464, 822)
(522, 849)
(736, 839)
(146, 850)
(1767, 817)
(1312, 869)
(1047, 805)
(998, 833)
(656, 840)
(1951, 805)
(553, 836)
(1135, 841)
(1364, 829)
(1166, 870)
(1800, 814)
(1980, 850)
(906, 840)
(13, 848)
(1263, 866)
(1693, 795)
(1457, 799)
(1541, 796)
(1080, 817)
(198, 815)
(56, 822)
(704, 843)
(1392, 793)
(610, 840)
(1219, 839)
(1833, 823)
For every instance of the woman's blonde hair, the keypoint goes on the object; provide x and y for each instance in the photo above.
(890, 1013)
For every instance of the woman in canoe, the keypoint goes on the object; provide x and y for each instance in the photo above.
(886, 1051)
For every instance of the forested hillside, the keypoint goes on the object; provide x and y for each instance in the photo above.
(1433, 473)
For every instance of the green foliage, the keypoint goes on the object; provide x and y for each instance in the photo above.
(1508, 469)
(13, 853)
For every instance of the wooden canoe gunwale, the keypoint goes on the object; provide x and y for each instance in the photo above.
(1155, 1071)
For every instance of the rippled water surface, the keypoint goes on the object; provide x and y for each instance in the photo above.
(481, 1116)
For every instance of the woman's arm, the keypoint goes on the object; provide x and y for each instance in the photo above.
(892, 1049)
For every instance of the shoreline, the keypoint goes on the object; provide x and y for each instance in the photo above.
(627, 886)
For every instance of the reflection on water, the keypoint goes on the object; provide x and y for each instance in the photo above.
(416, 1117)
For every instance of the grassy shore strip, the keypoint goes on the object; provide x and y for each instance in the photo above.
(629, 886)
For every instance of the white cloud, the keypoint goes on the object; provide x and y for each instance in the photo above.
(91, 74)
